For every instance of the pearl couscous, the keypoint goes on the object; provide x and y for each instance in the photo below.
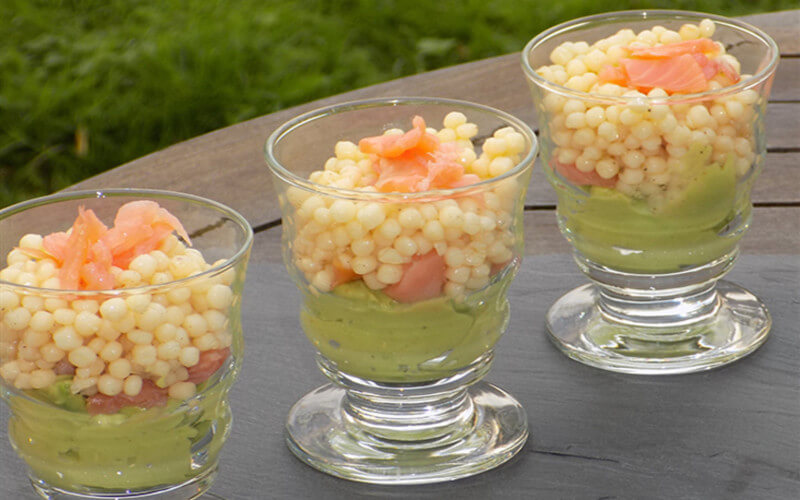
(375, 239)
(638, 146)
(114, 341)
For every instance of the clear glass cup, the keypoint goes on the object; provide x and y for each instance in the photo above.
(76, 443)
(653, 194)
(406, 403)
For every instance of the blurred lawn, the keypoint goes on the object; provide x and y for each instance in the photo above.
(86, 85)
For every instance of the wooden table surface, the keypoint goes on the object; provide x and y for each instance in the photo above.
(729, 433)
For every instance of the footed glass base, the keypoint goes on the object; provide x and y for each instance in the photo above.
(338, 432)
(589, 328)
(193, 488)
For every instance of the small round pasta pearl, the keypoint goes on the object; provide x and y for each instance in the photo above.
(451, 217)
(140, 337)
(206, 342)
(342, 211)
(32, 303)
(111, 351)
(17, 318)
(82, 357)
(608, 131)
(145, 265)
(583, 137)
(405, 246)
(132, 385)
(189, 356)
(494, 146)
(153, 316)
(8, 300)
(500, 165)
(169, 350)
(454, 257)
(453, 119)
(195, 325)
(607, 168)
(595, 116)
(707, 28)
(643, 130)
(51, 353)
(215, 320)
(42, 378)
(390, 256)
(410, 218)
(108, 385)
(575, 120)
(389, 273)
(86, 324)
(35, 339)
(41, 321)
(364, 264)
(67, 339)
(575, 67)
(698, 116)
(631, 176)
(363, 247)
(182, 390)
(458, 275)
(219, 296)
(114, 309)
(433, 231)
(371, 216)
(31, 240)
(144, 355)
(628, 117)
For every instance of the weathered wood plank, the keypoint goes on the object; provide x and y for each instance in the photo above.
(786, 86)
(228, 165)
(781, 26)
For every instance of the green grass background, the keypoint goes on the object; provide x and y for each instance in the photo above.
(86, 85)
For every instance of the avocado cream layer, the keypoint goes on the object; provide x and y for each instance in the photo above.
(693, 226)
(371, 336)
(134, 449)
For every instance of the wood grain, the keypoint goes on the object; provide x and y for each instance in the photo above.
(228, 166)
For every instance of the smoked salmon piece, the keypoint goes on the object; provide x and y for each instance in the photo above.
(140, 227)
(680, 67)
(423, 279)
(150, 396)
(210, 362)
(676, 74)
(392, 146)
(669, 50)
(415, 161)
(86, 253)
(613, 74)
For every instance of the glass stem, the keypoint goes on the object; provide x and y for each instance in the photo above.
(438, 417)
(669, 307)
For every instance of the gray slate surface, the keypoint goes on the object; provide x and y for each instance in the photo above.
(729, 433)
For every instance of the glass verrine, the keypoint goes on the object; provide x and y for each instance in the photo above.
(653, 186)
(404, 293)
(122, 393)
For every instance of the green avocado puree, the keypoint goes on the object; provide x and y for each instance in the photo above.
(134, 449)
(692, 226)
(369, 335)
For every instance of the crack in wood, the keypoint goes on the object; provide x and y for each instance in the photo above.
(575, 455)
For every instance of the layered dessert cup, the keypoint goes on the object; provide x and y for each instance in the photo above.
(120, 338)
(402, 228)
(652, 134)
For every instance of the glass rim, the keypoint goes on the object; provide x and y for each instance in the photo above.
(280, 171)
(132, 192)
(657, 14)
